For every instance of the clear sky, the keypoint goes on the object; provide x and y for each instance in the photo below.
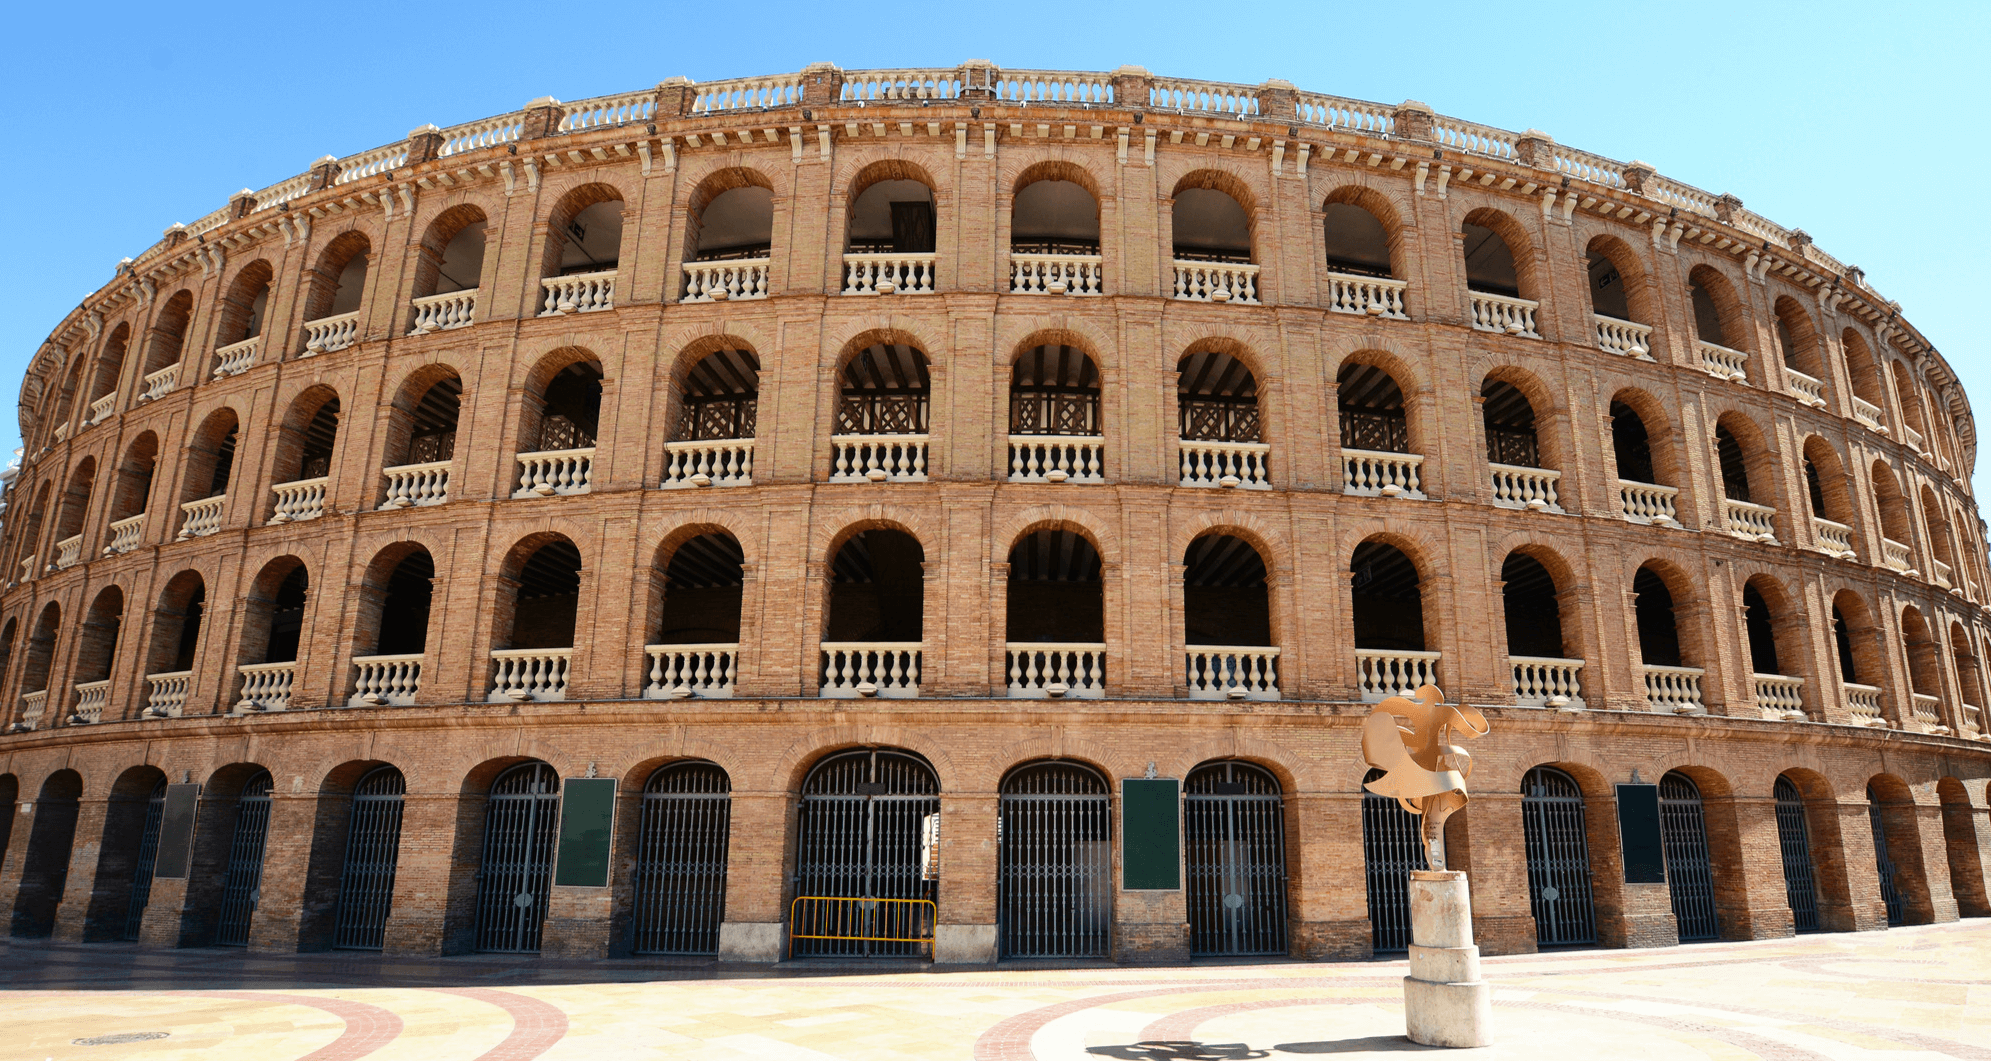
(1860, 123)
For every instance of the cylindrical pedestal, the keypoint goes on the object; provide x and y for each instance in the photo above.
(1445, 1003)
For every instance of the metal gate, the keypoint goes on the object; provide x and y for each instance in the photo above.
(1558, 843)
(681, 860)
(1889, 893)
(148, 857)
(1055, 887)
(1391, 848)
(1800, 882)
(1236, 834)
(1683, 833)
(242, 884)
(373, 848)
(869, 830)
(515, 874)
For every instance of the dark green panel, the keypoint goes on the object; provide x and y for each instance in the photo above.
(587, 824)
(1151, 820)
(1638, 832)
(176, 831)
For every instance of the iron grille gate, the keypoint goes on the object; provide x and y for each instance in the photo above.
(373, 848)
(1800, 882)
(1557, 839)
(242, 883)
(1889, 893)
(1055, 836)
(1683, 833)
(1235, 822)
(516, 873)
(681, 860)
(863, 816)
(1391, 848)
(148, 857)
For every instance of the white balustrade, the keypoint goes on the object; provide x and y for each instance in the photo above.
(1623, 337)
(1807, 389)
(878, 458)
(1749, 520)
(416, 484)
(102, 408)
(202, 517)
(1498, 313)
(1928, 713)
(1942, 572)
(1868, 413)
(1545, 681)
(1895, 555)
(126, 534)
(529, 674)
(160, 383)
(91, 697)
(1210, 97)
(1370, 296)
(1649, 503)
(709, 462)
(1780, 697)
(1674, 690)
(1834, 538)
(730, 280)
(1721, 362)
(386, 680)
(300, 500)
(327, 334)
(236, 358)
(62, 431)
(579, 293)
(871, 668)
(437, 313)
(1383, 673)
(555, 471)
(1373, 473)
(1231, 672)
(747, 93)
(1057, 459)
(1216, 282)
(1913, 437)
(266, 686)
(1972, 721)
(33, 706)
(29, 569)
(1225, 464)
(1056, 274)
(688, 670)
(68, 551)
(887, 273)
(1038, 670)
(1863, 704)
(1531, 488)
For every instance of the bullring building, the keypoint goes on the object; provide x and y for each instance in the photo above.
(966, 514)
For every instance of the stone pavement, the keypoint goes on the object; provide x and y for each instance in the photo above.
(1900, 995)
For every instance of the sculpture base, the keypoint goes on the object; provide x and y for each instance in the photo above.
(1445, 1003)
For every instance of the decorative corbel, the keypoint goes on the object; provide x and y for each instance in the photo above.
(1444, 178)
(147, 291)
(1659, 233)
(1151, 148)
(1417, 179)
(1749, 266)
(1300, 164)
(1673, 235)
(1123, 135)
(1278, 157)
(407, 194)
(511, 178)
(1548, 204)
(532, 173)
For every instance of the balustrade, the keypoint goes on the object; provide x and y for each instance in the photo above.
(1750, 521)
(1972, 724)
(1371, 296)
(202, 517)
(67, 552)
(300, 500)
(1225, 464)
(1868, 413)
(327, 334)
(1056, 274)
(1806, 389)
(91, 698)
(1674, 690)
(160, 383)
(709, 462)
(1779, 697)
(1216, 282)
(520, 674)
(878, 458)
(28, 568)
(126, 534)
(579, 293)
(1623, 337)
(1534, 489)
(33, 706)
(871, 668)
(1231, 672)
(102, 408)
(1913, 437)
(888, 273)
(1498, 313)
(266, 686)
(726, 280)
(438, 313)
(1722, 363)
(1893, 554)
(1373, 473)
(1057, 459)
(386, 680)
(1382, 673)
(62, 431)
(1545, 681)
(1863, 704)
(236, 358)
(1834, 538)
(1941, 577)
(416, 484)
(1038, 670)
(692, 670)
(1649, 503)
(1928, 713)
(166, 693)
(556, 471)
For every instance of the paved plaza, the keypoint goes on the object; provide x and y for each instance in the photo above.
(1901, 995)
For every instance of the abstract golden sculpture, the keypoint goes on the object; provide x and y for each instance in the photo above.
(1422, 772)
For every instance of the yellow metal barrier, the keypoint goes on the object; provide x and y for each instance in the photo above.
(862, 920)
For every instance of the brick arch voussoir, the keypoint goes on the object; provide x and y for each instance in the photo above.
(786, 771)
(837, 526)
(1255, 347)
(370, 547)
(710, 176)
(1295, 771)
(1272, 544)
(1550, 550)
(689, 344)
(1423, 548)
(711, 519)
(1382, 352)
(1235, 177)
(1044, 746)
(519, 540)
(1388, 201)
(1091, 525)
(1019, 336)
(1042, 161)
(860, 167)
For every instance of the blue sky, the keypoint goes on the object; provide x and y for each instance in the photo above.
(1860, 123)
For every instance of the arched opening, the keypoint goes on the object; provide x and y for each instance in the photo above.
(391, 632)
(1556, 836)
(1642, 482)
(1054, 216)
(27, 538)
(1768, 618)
(1631, 445)
(1547, 666)
(242, 877)
(175, 648)
(886, 391)
(584, 236)
(65, 402)
(209, 462)
(1940, 544)
(1856, 645)
(1055, 864)
(1896, 850)
(45, 869)
(1514, 450)
(515, 872)
(730, 224)
(272, 633)
(1683, 836)
(73, 506)
(557, 433)
(867, 828)
(1924, 671)
(132, 492)
(1055, 625)
(1392, 849)
(96, 651)
(304, 456)
(244, 306)
(1869, 390)
(1969, 679)
(1743, 461)
(873, 632)
(1894, 524)
(1910, 398)
(131, 829)
(1966, 865)
(1054, 394)
(1794, 843)
(1375, 423)
(333, 292)
(892, 217)
(1831, 498)
(1612, 270)
(1802, 351)
(449, 262)
(1210, 225)
(1670, 683)
(1234, 831)
(698, 592)
(167, 338)
(1358, 243)
(1386, 602)
(681, 847)
(421, 440)
(1222, 441)
(720, 398)
(35, 669)
(547, 597)
(1489, 262)
(372, 854)
(1227, 620)
(110, 371)
(1718, 314)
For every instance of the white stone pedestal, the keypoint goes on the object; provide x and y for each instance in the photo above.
(1445, 1003)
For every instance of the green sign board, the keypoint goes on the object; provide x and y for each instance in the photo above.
(1150, 835)
(587, 828)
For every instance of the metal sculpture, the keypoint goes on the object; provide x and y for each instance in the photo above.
(1422, 772)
